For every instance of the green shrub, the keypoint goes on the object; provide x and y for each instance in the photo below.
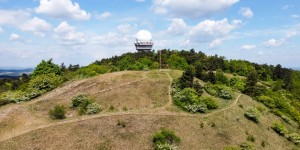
(198, 88)
(121, 123)
(12, 97)
(93, 108)
(85, 104)
(282, 116)
(210, 102)
(166, 146)
(202, 125)
(188, 99)
(279, 128)
(111, 108)
(196, 108)
(210, 89)
(175, 86)
(226, 94)
(45, 82)
(165, 139)
(187, 96)
(221, 78)
(213, 124)
(78, 99)
(295, 138)
(246, 146)
(251, 138)
(237, 83)
(58, 112)
(263, 143)
(221, 91)
(268, 101)
(231, 148)
(125, 108)
(33, 93)
(252, 114)
(4, 102)
(46, 68)
(91, 70)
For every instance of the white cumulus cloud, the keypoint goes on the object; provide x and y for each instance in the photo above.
(248, 47)
(246, 12)
(14, 37)
(63, 9)
(210, 30)
(104, 15)
(177, 27)
(111, 39)
(36, 25)
(295, 16)
(273, 43)
(191, 8)
(67, 35)
(125, 28)
(13, 17)
(23, 21)
(215, 43)
(285, 7)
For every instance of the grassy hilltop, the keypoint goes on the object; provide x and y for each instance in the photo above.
(207, 102)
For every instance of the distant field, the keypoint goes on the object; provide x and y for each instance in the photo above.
(11, 74)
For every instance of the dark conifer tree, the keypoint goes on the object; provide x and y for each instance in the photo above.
(251, 88)
(187, 78)
(211, 77)
(198, 72)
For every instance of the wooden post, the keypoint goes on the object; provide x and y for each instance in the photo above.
(160, 60)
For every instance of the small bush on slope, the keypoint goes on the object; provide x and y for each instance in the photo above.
(252, 114)
(58, 112)
(12, 97)
(237, 83)
(77, 100)
(295, 138)
(93, 108)
(165, 140)
(85, 104)
(280, 128)
(219, 90)
(188, 100)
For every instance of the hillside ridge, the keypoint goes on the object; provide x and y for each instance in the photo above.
(156, 112)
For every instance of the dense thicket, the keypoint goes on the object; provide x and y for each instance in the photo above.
(204, 65)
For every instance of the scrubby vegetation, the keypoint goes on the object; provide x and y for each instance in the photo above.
(283, 131)
(218, 90)
(58, 112)
(165, 140)
(85, 105)
(252, 114)
(187, 94)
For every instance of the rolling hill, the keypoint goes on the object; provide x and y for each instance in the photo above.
(135, 105)
(14, 73)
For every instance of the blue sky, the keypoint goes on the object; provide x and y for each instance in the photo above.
(81, 31)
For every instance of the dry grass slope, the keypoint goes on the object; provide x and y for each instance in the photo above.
(145, 94)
